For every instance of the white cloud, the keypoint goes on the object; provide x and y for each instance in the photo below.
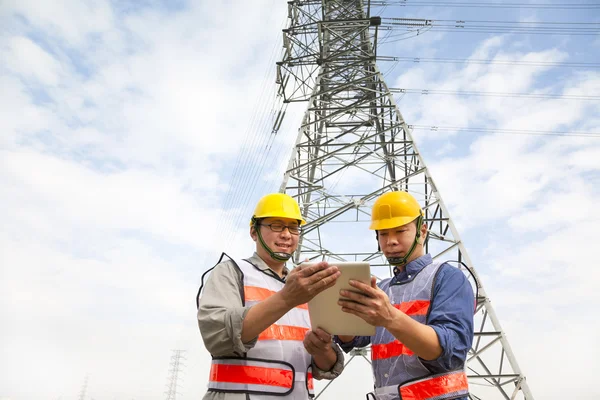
(71, 21)
(28, 59)
(117, 132)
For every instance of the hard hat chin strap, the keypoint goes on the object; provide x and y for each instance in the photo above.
(278, 256)
(400, 261)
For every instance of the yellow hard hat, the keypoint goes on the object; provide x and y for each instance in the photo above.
(394, 209)
(277, 205)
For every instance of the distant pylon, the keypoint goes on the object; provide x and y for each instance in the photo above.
(353, 145)
(174, 374)
(83, 391)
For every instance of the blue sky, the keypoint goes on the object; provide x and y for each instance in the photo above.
(133, 149)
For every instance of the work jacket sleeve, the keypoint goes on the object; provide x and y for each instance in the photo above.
(451, 317)
(221, 312)
(337, 368)
(358, 341)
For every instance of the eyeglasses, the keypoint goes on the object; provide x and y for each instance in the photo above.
(279, 227)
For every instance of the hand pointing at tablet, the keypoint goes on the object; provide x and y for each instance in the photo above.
(305, 282)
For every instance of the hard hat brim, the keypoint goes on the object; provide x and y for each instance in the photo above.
(390, 223)
(276, 215)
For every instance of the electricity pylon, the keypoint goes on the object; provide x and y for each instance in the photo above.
(83, 392)
(174, 371)
(353, 145)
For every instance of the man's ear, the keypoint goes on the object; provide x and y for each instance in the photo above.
(423, 233)
(253, 233)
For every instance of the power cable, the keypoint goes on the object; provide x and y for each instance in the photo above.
(493, 62)
(506, 131)
(486, 26)
(493, 94)
(481, 4)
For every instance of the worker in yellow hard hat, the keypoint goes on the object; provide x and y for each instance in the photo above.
(397, 209)
(253, 317)
(423, 314)
(285, 208)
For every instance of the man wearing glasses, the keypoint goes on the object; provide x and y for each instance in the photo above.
(253, 316)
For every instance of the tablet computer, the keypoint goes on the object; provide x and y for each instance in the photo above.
(327, 314)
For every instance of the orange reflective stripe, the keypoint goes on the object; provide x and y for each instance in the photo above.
(435, 387)
(283, 332)
(255, 293)
(415, 307)
(393, 349)
(251, 375)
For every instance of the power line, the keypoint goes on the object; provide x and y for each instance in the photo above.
(487, 26)
(494, 62)
(528, 31)
(493, 94)
(481, 4)
(241, 175)
(517, 22)
(505, 131)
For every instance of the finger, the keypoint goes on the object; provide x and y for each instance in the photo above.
(374, 282)
(367, 289)
(322, 275)
(319, 330)
(354, 312)
(311, 270)
(323, 284)
(354, 306)
(328, 282)
(309, 348)
(322, 335)
(308, 338)
(361, 298)
(315, 342)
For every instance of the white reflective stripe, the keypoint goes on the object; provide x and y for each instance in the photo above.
(242, 387)
(387, 390)
(252, 363)
(290, 351)
(297, 315)
(385, 393)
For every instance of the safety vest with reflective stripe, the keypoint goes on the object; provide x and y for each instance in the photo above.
(397, 370)
(278, 364)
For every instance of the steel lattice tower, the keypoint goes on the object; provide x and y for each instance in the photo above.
(174, 377)
(83, 391)
(353, 145)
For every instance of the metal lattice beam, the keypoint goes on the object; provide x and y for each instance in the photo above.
(353, 145)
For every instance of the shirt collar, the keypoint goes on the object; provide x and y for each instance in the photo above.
(413, 267)
(260, 264)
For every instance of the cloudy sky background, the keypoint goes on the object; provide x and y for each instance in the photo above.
(132, 142)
